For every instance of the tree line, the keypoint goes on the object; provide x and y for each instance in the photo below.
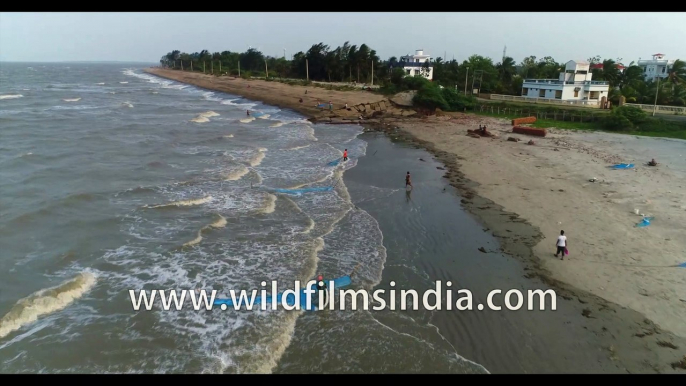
(361, 64)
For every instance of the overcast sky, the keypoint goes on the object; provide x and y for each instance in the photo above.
(145, 37)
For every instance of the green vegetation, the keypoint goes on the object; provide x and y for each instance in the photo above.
(624, 119)
(361, 64)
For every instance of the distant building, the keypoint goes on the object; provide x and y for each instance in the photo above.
(658, 67)
(413, 64)
(574, 85)
(599, 66)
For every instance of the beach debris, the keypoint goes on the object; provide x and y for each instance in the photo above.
(481, 132)
(513, 139)
(529, 131)
(421, 159)
(531, 142)
(586, 312)
(645, 222)
(663, 343)
(440, 168)
(680, 364)
(593, 179)
(622, 166)
(521, 121)
(482, 249)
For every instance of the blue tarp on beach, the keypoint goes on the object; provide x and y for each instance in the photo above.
(304, 190)
(682, 265)
(646, 221)
(623, 166)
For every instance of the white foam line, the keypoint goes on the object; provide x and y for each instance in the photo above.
(427, 343)
(454, 349)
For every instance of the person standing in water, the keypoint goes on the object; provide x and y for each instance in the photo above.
(321, 286)
(247, 112)
(561, 245)
(408, 181)
(345, 155)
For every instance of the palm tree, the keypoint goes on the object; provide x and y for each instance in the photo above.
(677, 74)
(506, 69)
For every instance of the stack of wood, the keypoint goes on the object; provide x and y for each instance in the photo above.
(523, 121)
(529, 131)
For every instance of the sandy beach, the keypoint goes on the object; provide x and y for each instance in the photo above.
(624, 279)
(548, 185)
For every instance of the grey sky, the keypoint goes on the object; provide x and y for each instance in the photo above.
(147, 36)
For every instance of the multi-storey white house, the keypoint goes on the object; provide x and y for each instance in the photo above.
(658, 67)
(413, 64)
(573, 85)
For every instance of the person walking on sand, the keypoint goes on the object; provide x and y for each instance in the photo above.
(561, 245)
(345, 155)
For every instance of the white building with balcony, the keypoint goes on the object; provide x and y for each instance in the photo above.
(658, 67)
(414, 64)
(574, 85)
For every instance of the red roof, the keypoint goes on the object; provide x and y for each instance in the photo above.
(658, 54)
(600, 66)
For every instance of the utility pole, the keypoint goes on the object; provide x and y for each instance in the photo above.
(284, 53)
(266, 70)
(372, 72)
(239, 68)
(191, 65)
(220, 67)
(473, 78)
(657, 90)
(181, 64)
(465, 81)
(212, 67)
(307, 69)
(203, 66)
(480, 74)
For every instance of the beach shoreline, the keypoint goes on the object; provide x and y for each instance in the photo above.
(618, 299)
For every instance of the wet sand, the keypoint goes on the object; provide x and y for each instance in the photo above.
(608, 302)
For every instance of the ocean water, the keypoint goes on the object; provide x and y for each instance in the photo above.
(114, 180)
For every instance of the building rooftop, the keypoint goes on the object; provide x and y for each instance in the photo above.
(600, 66)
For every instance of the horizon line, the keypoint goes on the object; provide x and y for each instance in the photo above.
(76, 61)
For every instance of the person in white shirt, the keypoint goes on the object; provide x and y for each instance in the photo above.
(561, 245)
